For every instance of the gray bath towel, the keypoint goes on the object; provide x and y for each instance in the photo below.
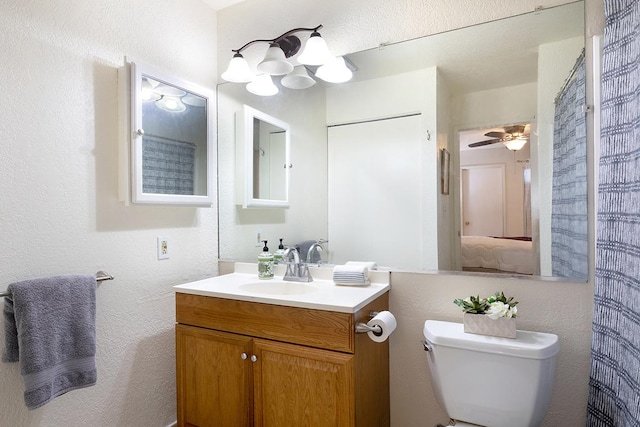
(303, 251)
(50, 329)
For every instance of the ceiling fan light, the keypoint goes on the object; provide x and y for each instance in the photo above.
(515, 144)
(315, 51)
(298, 79)
(335, 71)
(238, 70)
(275, 63)
(262, 85)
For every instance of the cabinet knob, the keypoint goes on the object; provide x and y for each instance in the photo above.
(254, 358)
(140, 132)
(243, 356)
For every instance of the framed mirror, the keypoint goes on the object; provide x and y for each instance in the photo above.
(172, 158)
(262, 156)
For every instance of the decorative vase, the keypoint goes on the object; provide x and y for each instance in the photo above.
(484, 325)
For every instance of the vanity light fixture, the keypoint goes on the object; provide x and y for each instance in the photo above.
(238, 70)
(262, 85)
(275, 63)
(298, 79)
(335, 71)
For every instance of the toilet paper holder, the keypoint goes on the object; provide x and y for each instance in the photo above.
(363, 328)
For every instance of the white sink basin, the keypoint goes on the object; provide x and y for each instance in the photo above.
(278, 288)
(321, 294)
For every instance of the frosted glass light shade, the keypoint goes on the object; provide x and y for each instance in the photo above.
(238, 70)
(515, 144)
(274, 62)
(171, 103)
(298, 79)
(335, 71)
(315, 51)
(147, 92)
(262, 85)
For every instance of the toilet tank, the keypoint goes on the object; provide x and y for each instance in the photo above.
(491, 381)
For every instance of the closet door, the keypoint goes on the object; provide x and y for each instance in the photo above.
(375, 187)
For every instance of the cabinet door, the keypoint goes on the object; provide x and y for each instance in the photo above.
(302, 386)
(214, 379)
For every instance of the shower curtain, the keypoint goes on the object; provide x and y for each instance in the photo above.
(569, 245)
(168, 166)
(614, 387)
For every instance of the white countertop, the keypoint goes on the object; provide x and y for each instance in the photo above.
(320, 294)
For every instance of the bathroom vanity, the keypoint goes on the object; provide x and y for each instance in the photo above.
(274, 353)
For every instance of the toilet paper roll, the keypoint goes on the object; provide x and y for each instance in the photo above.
(387, 322)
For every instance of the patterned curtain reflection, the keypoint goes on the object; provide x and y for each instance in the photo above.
(569, 194)
(168, 166)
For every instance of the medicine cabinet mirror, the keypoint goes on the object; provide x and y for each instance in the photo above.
(262, 155)
(172, 158)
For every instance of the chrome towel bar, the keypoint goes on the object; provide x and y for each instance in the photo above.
(100, 276)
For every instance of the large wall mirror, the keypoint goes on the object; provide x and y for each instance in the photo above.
(172, 158)
(499, 81)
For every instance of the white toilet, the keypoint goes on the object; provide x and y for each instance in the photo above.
(489, 381)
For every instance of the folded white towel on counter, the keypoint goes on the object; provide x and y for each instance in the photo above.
(351, 275)
(369, 264)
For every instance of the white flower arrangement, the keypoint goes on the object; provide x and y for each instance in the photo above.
(495, 306)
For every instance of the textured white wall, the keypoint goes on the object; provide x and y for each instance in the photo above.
(59, 178)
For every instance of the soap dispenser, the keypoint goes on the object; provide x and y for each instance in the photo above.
(265, 263)
(278, 256)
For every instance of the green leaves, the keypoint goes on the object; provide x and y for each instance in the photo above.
(477, 305)
(472, 304)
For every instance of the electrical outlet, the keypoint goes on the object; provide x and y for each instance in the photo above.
(258, 239)
(163, 248)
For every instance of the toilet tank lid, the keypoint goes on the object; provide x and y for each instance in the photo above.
(529, 345)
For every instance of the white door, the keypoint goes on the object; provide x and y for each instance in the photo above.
(483, 201)
(374, 192)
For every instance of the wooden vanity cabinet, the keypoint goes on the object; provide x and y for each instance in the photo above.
(244, 363)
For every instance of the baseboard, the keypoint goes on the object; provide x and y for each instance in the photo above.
(173, 424)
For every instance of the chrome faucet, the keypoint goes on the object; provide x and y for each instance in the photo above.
(315, 247)
(296, 271)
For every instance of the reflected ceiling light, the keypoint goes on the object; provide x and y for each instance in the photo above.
(147, 92)
(335, 71)
(515, 144)
(194, 101)
(262, 85)
(171, 103)
(298, 79)
(238, 70)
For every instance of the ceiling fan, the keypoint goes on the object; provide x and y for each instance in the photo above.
(513, 133)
